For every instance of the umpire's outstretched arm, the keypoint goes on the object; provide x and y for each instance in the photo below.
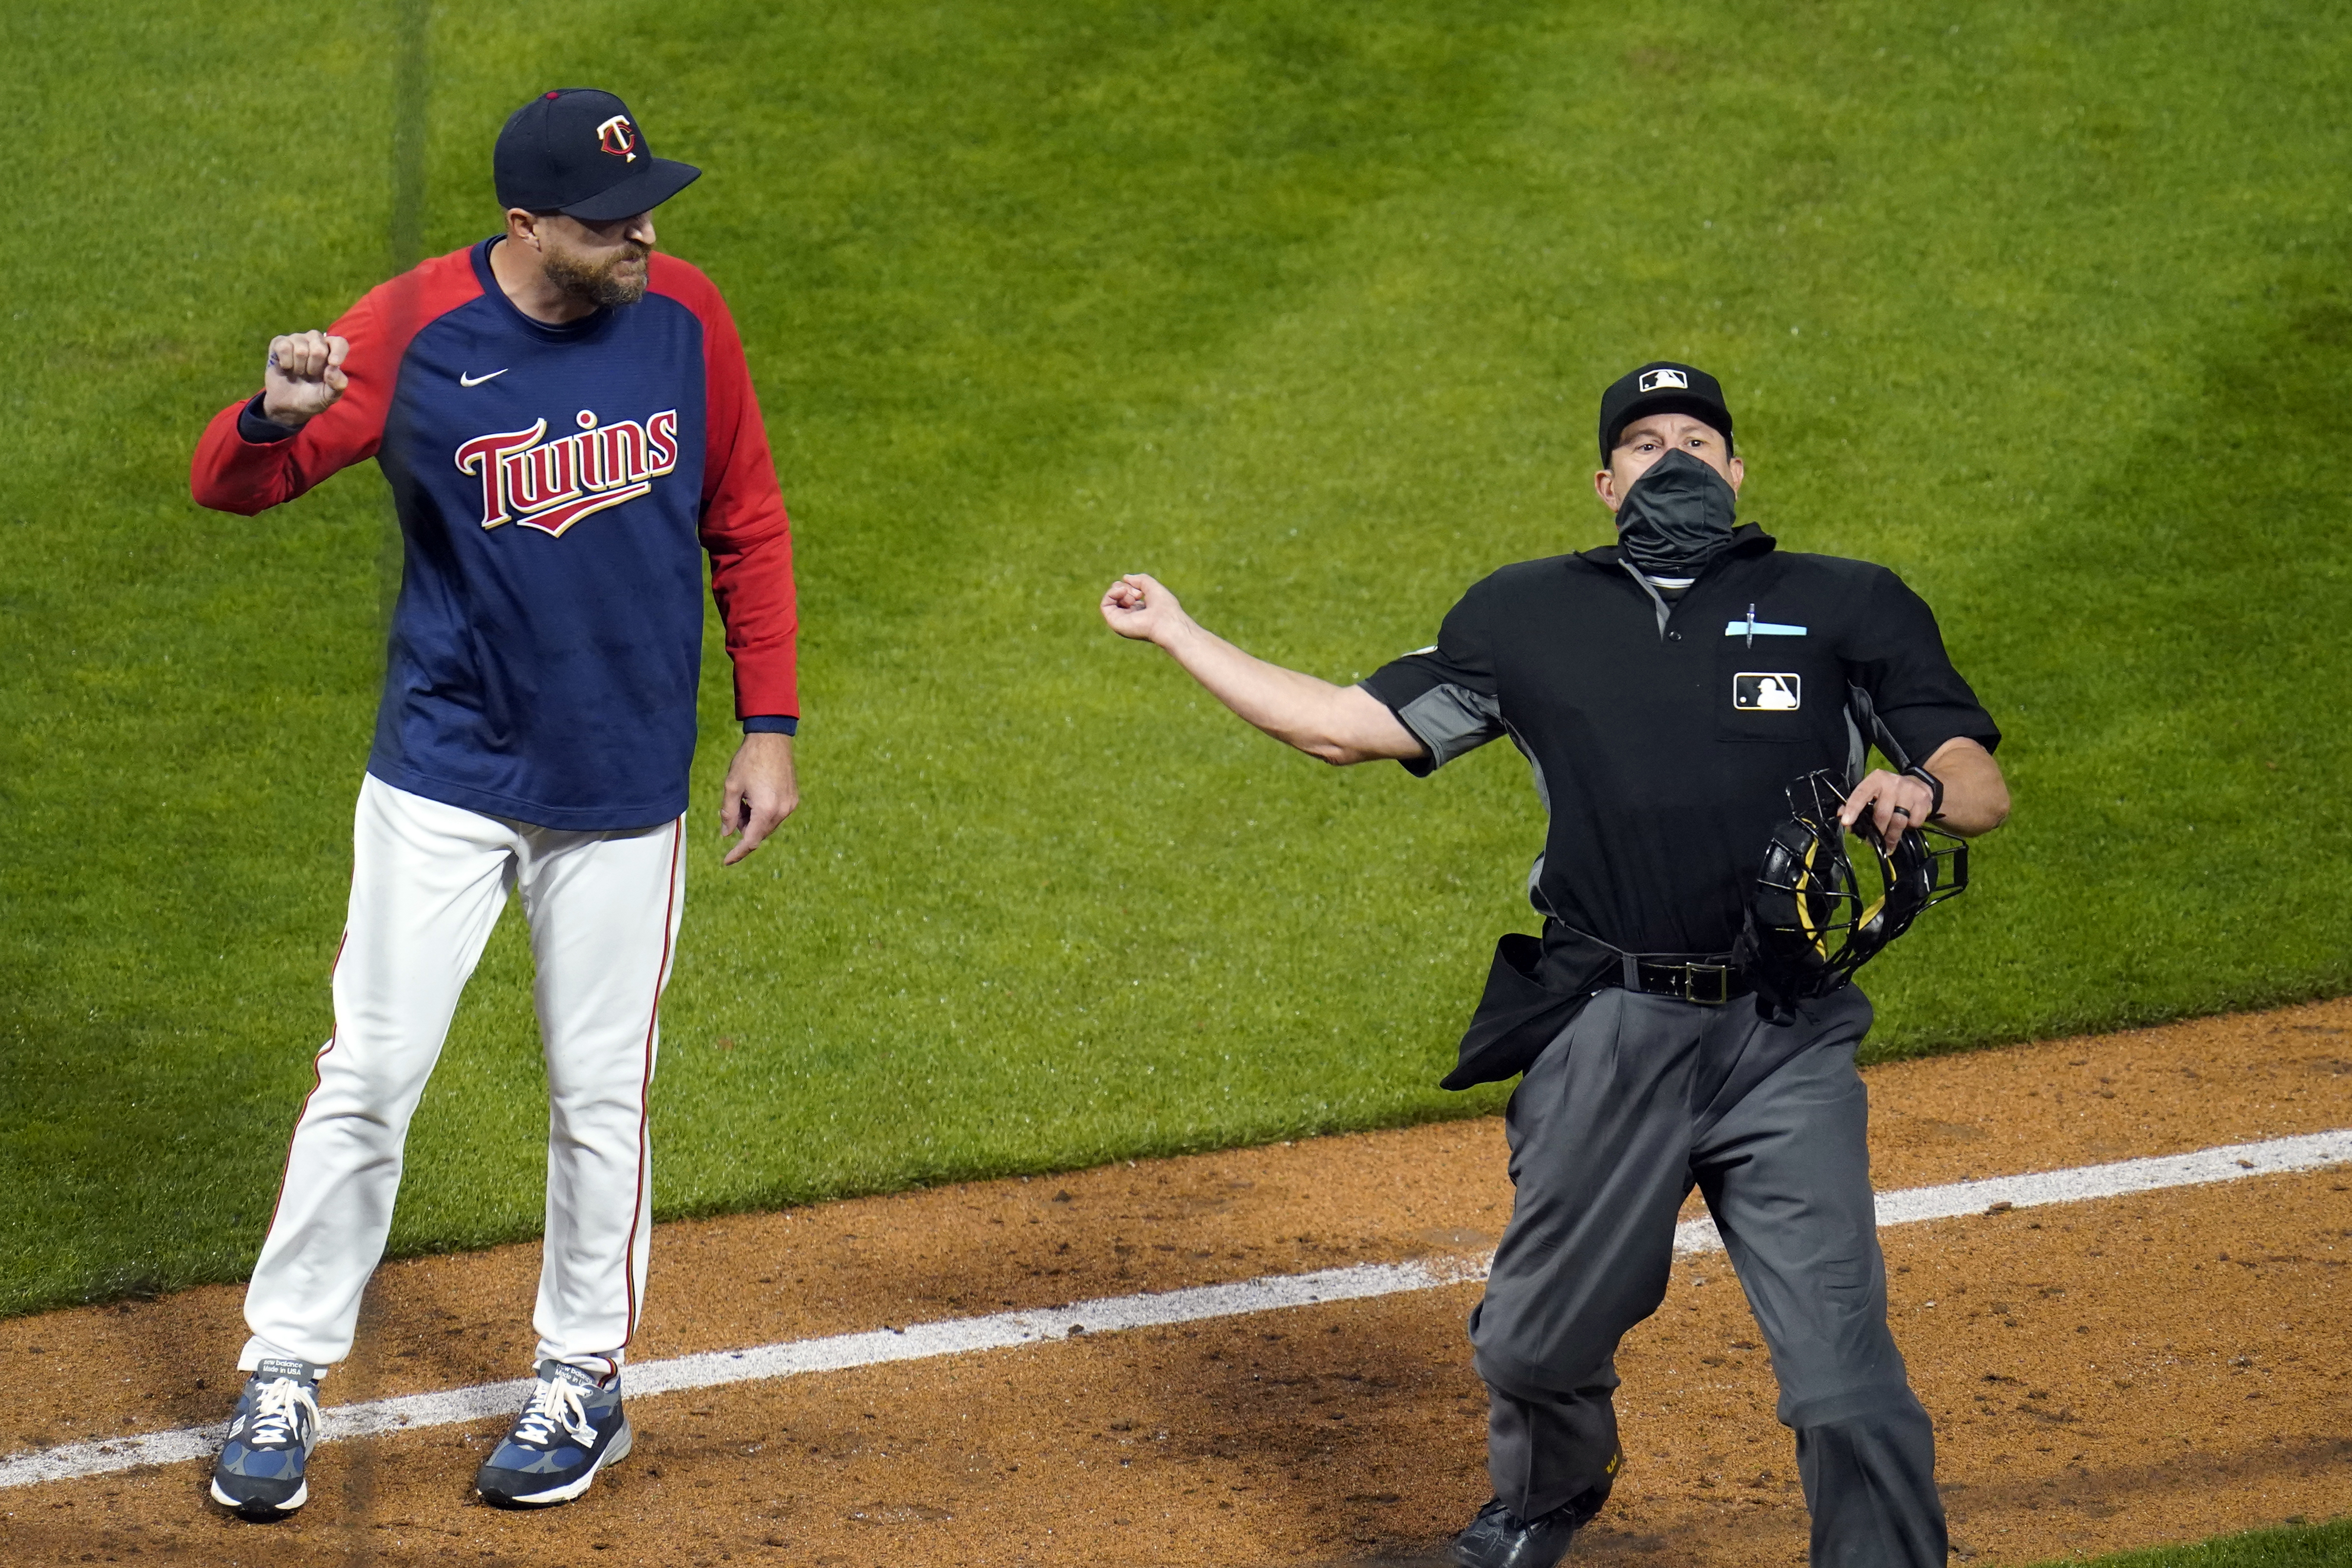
(1337, 723)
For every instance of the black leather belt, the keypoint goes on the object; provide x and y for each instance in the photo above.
(1710, 979)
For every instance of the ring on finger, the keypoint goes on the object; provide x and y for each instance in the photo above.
(1901, 811)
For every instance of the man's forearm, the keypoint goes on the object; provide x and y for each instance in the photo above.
(1288, 705)
(1337, 723)
(1340, 725)
(1976, 796)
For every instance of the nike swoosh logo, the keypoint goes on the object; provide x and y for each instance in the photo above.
(466, 380)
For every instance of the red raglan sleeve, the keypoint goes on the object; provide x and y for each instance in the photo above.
(744, 528)
(231, 473)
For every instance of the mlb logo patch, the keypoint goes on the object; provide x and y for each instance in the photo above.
(1767, 691)
(1664, 381)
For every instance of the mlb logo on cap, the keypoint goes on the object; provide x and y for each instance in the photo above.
(1662, 386)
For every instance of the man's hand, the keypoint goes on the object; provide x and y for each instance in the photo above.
(303, 377)
(1141, 607)
(1891, 803)
(759, 792)
(1976, 796)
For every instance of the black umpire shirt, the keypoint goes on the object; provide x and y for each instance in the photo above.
(1662, 737)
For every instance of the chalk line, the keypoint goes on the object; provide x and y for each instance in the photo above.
(1199, 1303)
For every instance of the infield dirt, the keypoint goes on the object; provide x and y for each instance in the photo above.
(2102, 1374)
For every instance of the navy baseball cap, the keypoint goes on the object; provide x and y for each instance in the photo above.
(578, 151)
(1662, 386)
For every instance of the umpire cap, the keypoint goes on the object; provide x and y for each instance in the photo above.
(1662, 386)
(578, 151)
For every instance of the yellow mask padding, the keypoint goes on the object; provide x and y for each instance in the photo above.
(1804, 901)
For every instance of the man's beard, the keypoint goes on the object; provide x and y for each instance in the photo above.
(600, 284)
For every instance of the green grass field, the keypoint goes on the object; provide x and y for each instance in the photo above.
(2307, 1546)
(1304, 307)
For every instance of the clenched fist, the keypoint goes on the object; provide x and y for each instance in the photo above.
(1140, 607)
(303, 379)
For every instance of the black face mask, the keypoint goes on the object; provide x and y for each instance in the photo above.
(1677, 517)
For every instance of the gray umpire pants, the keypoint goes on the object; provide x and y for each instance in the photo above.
(1639, 1099)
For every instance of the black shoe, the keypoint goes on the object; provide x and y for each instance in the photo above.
(1498, 1538)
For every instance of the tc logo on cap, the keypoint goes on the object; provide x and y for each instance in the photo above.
(1654, 381)
(619, 138)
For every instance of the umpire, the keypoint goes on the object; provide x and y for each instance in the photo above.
(1666, 689)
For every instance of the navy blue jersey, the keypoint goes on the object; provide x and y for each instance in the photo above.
(557, 488)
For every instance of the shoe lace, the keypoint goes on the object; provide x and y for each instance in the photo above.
(279, 1407)
(556, 1404)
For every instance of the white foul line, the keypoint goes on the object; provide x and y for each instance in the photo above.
(2314, 1151)
(1001, 1331)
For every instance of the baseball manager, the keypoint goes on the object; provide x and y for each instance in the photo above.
(568, 427)
(1666, 689)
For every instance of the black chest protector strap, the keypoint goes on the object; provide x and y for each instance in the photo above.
(1865, 713)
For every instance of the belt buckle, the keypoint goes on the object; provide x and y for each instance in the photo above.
(1719, 974)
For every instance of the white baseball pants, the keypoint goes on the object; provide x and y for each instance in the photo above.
(428, 881)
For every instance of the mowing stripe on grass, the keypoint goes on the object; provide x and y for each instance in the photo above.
(1003, 1330)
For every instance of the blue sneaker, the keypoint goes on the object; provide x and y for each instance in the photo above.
(571, 1429)
(260, 1472)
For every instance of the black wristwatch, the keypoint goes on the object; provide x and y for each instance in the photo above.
(1936, 806)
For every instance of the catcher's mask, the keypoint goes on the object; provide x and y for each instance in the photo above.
(1814, 920)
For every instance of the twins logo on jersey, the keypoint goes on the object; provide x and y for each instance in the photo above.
(551, 485)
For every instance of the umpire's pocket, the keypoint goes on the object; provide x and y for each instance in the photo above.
(1778, 689)
(1517, 1017)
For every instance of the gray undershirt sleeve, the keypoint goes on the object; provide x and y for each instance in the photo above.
(1449, 720)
